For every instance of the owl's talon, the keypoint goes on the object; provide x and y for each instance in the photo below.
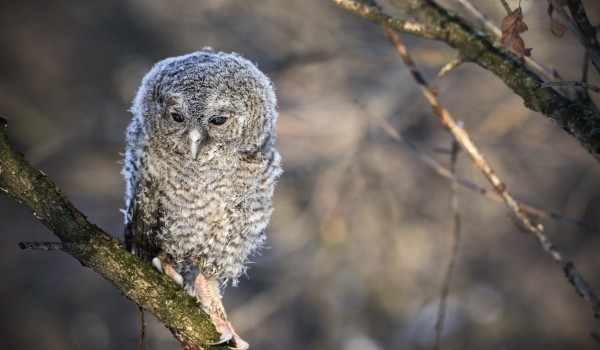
(239, 343)
(232, 340)
(157, 264)
(168, 270)
(207, 292)
(225, 338)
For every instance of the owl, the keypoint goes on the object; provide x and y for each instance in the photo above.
(200, 169)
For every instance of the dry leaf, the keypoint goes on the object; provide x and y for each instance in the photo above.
(514, 42)
(512, 26)
(557, 28)
(520, 27)
(509, 21)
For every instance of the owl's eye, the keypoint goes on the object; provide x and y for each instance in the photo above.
(217, 120)
(160, 100)
(178, 117)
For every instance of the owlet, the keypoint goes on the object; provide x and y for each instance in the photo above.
(200, 169)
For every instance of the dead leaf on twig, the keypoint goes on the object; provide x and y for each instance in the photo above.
(556, 26)
(512, 27)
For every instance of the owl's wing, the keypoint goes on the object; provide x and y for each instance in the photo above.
(143, 223)
(133, 228)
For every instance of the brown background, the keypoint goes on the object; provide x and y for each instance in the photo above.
(361, 236)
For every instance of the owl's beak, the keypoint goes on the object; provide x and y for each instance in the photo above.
(195, 140)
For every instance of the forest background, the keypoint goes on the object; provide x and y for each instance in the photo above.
(362, 237)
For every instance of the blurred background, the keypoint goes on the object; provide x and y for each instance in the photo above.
(361, 236)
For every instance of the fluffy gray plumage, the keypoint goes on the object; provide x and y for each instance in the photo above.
(200, 164)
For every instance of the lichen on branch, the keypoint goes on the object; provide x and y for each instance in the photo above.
(486, 50)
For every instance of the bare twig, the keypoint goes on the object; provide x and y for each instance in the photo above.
(583, 94)
(480, 16)
(475, 46)
(441, 316)
(49, 246)
(506, 7)
(447, 173)
(538, 67)
(571, 83)
(373, 13)
(450, 66)
(582, 22)
(580, 27)
(573, 276)
(585, 67)
(142, 343)
(559, 217)
(567, 21)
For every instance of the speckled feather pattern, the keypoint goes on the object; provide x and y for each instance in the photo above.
(207, 213)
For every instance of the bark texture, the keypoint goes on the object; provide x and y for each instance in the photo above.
(474, 45)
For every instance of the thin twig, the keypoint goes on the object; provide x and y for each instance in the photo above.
(506, 7)
(492, 27)
(445, 172)
(374, 13)
(441, 316)
(142, 343)
(588, 32)
(584, 95)
(480, 16)
(573, 276)
(585, 68)
(571, 83)
(591, 47)
(450, 66)
(48, 246)
(444, 25)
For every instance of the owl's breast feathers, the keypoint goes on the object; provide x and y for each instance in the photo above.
(209, 213)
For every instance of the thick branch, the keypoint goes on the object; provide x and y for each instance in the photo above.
(487, 51)
(376, 15)
(584, 31)
(96, 249)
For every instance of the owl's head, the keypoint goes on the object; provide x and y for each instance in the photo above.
(206, 99)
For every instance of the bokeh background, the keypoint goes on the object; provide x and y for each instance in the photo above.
(361, 236)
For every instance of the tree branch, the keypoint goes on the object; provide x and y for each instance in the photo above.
(101, 252)
(486, 50)
(448, 174)
(543, 71)
(571, 82)
(374, 14)
(462, 137)
(581, 27)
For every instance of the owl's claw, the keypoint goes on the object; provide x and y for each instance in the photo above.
(207, 292)
(228, 335)
(226, 338)
(239, 343)
(168, 270)
(157, 264)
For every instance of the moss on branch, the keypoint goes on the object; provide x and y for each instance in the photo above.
(94, 248)
(486, 50)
